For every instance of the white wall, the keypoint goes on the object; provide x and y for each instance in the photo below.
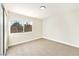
(63, 27)
(1, 31)
(16, 38)
(6, 32)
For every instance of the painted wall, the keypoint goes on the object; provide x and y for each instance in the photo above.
(63, 27)
(6, 32)
(16, 38)
(1, 31)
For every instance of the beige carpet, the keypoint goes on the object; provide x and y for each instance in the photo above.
(42, 47)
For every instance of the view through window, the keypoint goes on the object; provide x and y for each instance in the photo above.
(19, 25)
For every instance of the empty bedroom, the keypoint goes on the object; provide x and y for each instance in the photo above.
(40, 29)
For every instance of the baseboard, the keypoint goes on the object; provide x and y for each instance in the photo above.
(23, 42)
(63, 42)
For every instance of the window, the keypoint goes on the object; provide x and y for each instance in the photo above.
(19, 25)
(16, 27)
(28, 27)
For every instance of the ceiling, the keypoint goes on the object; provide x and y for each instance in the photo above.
(33, 9)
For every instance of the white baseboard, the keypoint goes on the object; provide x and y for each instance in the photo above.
(23, 42)
(63, 42)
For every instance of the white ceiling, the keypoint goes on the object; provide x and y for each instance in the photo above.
(33, 9)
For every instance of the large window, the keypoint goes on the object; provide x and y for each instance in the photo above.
(20, 25)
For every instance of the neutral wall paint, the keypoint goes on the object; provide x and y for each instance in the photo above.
(16, 38)
(6, 35)
(1, 31)
(63, 27)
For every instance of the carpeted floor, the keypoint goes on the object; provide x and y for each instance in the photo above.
(42, 47)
